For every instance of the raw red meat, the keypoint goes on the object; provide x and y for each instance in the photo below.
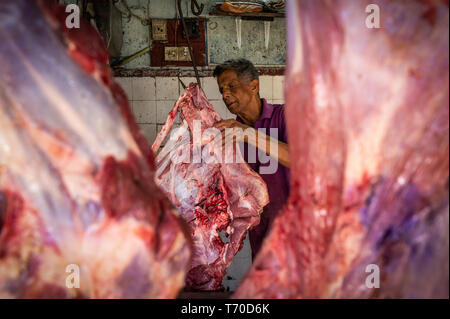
(210, 194)
(76, 174)
(368, 123)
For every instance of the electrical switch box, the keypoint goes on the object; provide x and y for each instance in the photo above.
(174, 51)
(171, 54)
(177, 54)
(183, 54)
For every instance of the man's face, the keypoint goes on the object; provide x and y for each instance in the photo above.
(236, 93)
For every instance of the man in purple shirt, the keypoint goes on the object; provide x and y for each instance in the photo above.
(238, 82)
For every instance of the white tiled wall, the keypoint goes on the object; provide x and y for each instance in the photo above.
(145, 111)
(272, 89)
(167, 89)
(278, 85)
(144, 89)
(152, 99)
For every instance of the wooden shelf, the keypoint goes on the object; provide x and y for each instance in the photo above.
(251, 15)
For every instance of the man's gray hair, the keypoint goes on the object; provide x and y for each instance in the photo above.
(244, 69)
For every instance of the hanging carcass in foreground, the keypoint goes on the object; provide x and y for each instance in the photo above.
(368, 124)
(80, 214)
(212, 194)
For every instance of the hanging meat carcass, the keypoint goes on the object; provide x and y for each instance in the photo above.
(211, 193)
(80, 214)
(368, 124)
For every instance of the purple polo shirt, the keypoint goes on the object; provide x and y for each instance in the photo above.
(278, 183)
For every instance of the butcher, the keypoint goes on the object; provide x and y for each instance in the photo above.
(238, 82)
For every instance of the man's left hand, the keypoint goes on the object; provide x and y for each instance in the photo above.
(237, 135)
(230, 124)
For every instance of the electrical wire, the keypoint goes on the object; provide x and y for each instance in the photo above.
(130, 13)
(110, 23)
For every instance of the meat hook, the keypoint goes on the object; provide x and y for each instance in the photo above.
(180, 11)
(195, 8)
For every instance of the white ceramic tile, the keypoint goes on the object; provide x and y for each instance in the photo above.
(167, 88)
(222, 109)
(278, 102)
(278, 88)
(187, 81)
(145, 111)
(266, 87)
(143, 89)
(163, 109)
(149, 131)
(126, 84)
(211, 89)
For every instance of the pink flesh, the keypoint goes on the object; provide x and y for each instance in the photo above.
(367, 116)
(210, 197)
(95, 204)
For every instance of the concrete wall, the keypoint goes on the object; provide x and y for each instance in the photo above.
(221, 34)
(222, 41)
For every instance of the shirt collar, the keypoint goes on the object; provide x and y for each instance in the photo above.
(266, 112)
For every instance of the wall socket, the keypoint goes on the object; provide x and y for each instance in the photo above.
(159, 30)
(183, 54)
(171, 53)
(177, 54)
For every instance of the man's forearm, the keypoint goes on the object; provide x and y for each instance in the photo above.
(272, 147)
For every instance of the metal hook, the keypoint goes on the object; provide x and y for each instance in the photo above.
(195, 8)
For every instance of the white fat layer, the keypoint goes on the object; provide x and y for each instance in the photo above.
(245, 204)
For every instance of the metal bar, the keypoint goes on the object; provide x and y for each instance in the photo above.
(182, 84)
(180, 11)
